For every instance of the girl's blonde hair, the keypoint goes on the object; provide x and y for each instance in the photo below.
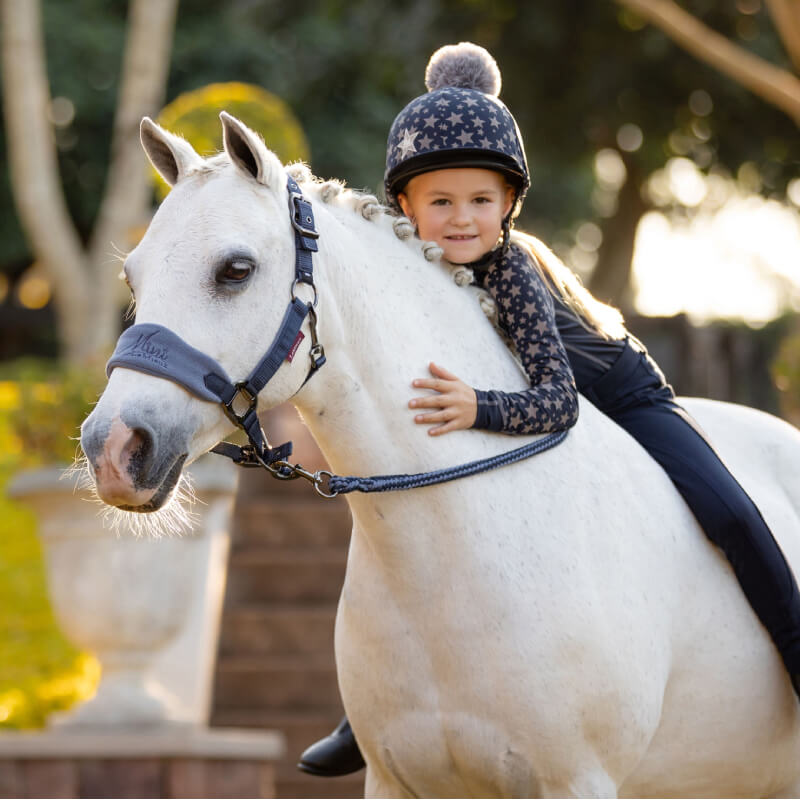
(565, 285)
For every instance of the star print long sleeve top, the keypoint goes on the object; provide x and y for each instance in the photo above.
(527, 314)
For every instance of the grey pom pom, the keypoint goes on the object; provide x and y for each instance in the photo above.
(463, 66)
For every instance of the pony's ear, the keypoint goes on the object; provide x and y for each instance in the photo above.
(249, 153)
(172, 156)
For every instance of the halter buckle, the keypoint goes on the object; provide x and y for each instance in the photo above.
(242, 395)
(304, 225)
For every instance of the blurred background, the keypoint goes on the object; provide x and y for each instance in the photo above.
(662, 139)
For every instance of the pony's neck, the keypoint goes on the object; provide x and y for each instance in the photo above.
(385, 312)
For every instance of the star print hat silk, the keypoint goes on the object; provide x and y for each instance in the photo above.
(460, 122)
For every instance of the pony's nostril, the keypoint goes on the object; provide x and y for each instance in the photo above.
(138, 449)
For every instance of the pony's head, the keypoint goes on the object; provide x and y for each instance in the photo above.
(216, 268)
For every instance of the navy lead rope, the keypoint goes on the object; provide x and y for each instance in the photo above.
(339, 484)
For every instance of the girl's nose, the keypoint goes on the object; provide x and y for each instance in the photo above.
(461, 215)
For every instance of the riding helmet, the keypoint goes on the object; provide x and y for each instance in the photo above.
(459, 122)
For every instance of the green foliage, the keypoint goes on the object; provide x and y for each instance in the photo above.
(574, 72)
(40, 671)
(44, 404)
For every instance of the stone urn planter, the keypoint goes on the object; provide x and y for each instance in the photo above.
(149, 609)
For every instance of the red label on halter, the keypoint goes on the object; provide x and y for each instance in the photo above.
(293, 349)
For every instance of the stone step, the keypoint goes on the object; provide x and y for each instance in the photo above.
(277, 683)
(277, 521)
(284, 575)
(277, 630)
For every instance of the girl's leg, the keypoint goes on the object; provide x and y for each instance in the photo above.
(727, 515)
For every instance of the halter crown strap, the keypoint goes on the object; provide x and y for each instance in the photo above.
(158, 351)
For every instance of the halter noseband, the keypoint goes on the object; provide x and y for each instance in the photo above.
(156, 350)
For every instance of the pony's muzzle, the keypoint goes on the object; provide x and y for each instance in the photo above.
(124, 464)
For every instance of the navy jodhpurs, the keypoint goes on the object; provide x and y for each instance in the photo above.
(636, 396)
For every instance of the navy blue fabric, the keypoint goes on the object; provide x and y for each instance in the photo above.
(158, 351)
(589, 354)
(623, 381)
(526, 314)
(340, 484)
(280, 347)
(635, 395)
(305, 244)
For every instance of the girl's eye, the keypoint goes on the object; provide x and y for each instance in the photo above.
(441, 201)
(234, 272)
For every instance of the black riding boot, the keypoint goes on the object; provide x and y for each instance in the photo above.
(337, 754)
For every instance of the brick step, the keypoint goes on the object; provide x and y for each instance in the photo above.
(286, 629)
(301, 728)
(281, 575)
(309, 786)
(294, 522)
(277, 683)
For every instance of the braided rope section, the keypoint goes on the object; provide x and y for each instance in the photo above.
(340, 484)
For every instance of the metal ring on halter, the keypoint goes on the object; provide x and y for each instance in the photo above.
(294, 286)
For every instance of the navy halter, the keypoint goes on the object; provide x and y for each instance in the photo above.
(158, 351)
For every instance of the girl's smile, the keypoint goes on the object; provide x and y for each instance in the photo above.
(461, 209)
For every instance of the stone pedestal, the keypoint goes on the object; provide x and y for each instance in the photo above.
(168, 761)
(149, 609)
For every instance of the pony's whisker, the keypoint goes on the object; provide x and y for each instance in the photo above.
(175, 518)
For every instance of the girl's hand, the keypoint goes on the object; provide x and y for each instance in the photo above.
(456, 402)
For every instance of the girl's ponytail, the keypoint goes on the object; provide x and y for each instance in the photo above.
(566, 286)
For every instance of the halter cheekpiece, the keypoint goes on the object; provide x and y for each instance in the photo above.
(158, 351)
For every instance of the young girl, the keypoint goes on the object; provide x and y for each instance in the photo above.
(456, 167)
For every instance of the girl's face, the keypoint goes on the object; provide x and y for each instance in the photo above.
(461, 209)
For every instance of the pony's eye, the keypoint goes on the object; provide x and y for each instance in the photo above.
(234, 272)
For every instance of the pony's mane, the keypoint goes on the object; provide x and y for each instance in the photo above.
(336, 193)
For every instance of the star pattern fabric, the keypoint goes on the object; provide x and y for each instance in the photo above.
(453, 119)
(526, 313)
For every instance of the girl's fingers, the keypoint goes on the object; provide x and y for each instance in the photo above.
(438, 430)
(433, 416)
(429, 401)
(430, 383)
(441, 372)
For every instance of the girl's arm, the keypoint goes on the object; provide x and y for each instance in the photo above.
(527, 314)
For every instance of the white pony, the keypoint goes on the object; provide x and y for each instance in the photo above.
(560, 627)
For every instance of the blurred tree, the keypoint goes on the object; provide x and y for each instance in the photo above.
(774, 83)
(84, 276)
(603, 100)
